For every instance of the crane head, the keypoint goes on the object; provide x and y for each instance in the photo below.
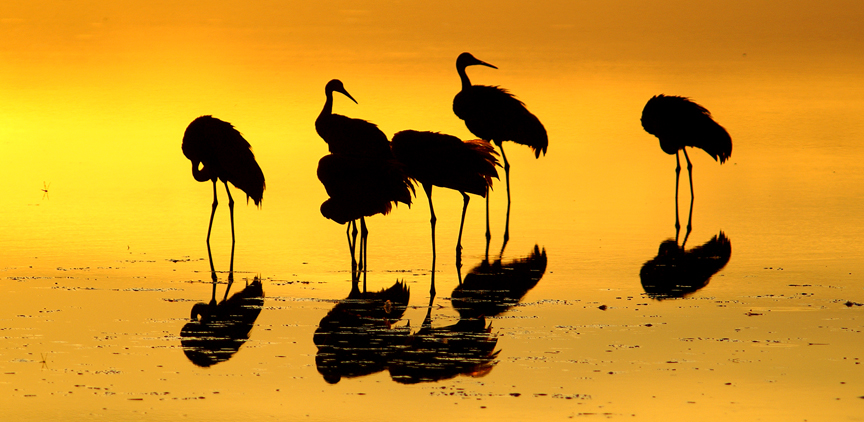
(336, 85)
(466, 59)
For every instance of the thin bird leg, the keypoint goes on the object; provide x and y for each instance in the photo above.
(428, 188)
(231, 213)
(352, 246)
(488, 232)
(360, 263)
(507, 177)
(677, 174)
(689, 226)
(210, 228)
(432, 284)
(465, 199)
(364, 243)
(431, 294)
(690, 172)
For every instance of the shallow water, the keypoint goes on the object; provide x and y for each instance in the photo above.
(100, 272)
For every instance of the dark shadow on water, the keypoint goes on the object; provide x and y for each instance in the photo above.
(218, 330)
(358, 337)
(494, 287)
(676, 272)
(439, 353)
(468, 346)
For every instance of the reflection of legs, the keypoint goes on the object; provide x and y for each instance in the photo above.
(209, 229)
(213, 295)
(689, 226)
(227, 289)
(428, 319)
(465, 200)
(231, 213)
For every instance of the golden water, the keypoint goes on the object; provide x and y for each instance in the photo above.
(100, 272)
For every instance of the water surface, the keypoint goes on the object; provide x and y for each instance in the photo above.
(100, 273)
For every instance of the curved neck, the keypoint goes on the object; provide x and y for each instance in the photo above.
(328, 105)
(464, 77)
(201, 175)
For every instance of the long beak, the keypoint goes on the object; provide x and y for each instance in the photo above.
(348, 95)
(480, 62)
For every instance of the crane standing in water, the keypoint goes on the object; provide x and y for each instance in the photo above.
(360, 175)
(493, 114)
(225, 156)
(679, 122)
(446, 161)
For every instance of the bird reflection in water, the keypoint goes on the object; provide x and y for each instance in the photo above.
(358, 337)
(439, 353)
(218, 330)
(494, 287)
(676, 272)
(468, 346)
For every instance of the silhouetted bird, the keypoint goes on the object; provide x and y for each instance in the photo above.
(218, 330)
(494, 287)
(357, 336)
(446, 161)
(361, 187)
(676, 272)
(225, 156)
(679, 122)
(345, 135)
(493, 114)
(360, 175)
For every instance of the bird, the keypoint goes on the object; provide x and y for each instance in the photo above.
(219, 152)
(437, 159)
(494, 114)
(679, 122)
(360, 174)
(361, 187)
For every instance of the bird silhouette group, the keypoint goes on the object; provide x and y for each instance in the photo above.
(365, 173)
